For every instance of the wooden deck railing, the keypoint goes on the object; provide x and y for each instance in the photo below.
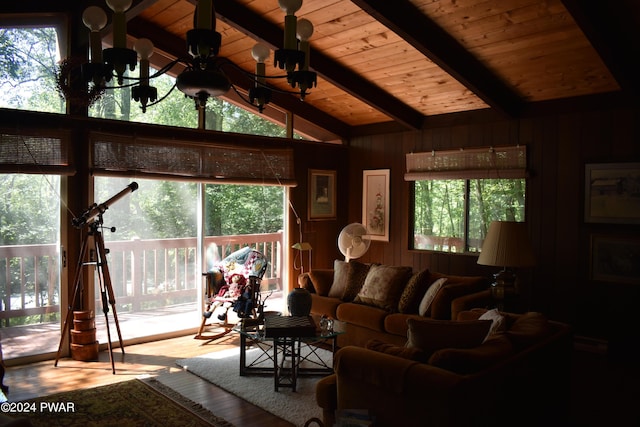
(145, 274)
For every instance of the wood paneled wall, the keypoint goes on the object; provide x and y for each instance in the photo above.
(559, 146)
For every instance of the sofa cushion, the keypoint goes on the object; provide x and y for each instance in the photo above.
(413, 292)
(396, 350)
(362, 315)
(325, 305)
(396, 323)
(430, 295)
(431, 335)
(383, 286)
(340, 279)
(470, 360)
(355, 279)
(527, 329)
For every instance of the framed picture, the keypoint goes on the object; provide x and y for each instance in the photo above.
(612, 193)
(322, 194)
(375, 203)
(615, 259)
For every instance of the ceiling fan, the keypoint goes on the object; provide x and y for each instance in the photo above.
(353, 241)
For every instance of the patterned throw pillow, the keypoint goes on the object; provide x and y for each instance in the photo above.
(355, 279)
(413, 292)
(383, 286)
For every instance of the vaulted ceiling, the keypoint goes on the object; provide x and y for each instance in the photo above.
(401, 61)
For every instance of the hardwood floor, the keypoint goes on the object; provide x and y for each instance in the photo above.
(153, 359)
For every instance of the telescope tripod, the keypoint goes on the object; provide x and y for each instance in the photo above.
(104, 280)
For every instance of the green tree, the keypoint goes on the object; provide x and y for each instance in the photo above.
(28, 69)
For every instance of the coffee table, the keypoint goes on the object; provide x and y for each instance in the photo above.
(281, 340)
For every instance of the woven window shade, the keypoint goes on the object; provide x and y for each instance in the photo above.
(132, 156)
(473, 163)
(35, 151)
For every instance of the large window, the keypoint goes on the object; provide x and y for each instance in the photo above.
(457, 194)
(29, 262)
(454, 215)
(153, 251)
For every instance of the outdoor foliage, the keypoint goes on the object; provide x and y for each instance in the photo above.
(28, 66)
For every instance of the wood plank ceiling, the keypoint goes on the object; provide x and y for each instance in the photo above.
(401, 61)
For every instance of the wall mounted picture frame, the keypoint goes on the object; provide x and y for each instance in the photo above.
(615, 259)
(322, 195)
(612, 193)
(375, 203)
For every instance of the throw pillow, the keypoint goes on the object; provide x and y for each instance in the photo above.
(498, 321)
(413, 292)
(340, 278)
(430, 295)
(321, 281)
(395, 350)
(355, 279)
(383, 286)
(431, 335)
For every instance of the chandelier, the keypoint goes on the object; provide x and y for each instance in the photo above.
(203, 75)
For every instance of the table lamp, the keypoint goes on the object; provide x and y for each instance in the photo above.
(506, 245)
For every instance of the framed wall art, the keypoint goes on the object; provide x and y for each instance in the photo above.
(615, 259)
(375, 203)
(612, 193)
(322, 194)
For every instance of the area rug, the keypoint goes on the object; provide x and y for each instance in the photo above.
(222, 369)
(133, 403)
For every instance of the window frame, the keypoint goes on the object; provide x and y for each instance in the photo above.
(502, 163)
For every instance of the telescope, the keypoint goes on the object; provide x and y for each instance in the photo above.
(98, 209)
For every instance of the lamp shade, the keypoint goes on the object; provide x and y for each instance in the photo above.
(507, 245)
(304, 246)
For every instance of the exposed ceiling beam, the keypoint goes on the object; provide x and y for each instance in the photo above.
(258, 28)
(407, 21)
(609, 30)
(176, 47)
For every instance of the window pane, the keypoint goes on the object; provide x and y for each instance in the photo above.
(174, 110)
(177, 110)
(440, 210)
(152, 256)
(439, 215)
(247, 215)
(493, 200)
(29, 264)
(29, 60)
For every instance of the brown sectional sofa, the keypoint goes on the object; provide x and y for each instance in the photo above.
(519, 376)
(374, 301)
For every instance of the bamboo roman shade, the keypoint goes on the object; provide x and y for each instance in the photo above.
(39, 151)
(468, 163)
(135, 156)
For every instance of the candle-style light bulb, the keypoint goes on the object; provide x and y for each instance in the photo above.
(95, 19)
(260, 52)
(119, 7)
(304, 33)
(290, 7)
